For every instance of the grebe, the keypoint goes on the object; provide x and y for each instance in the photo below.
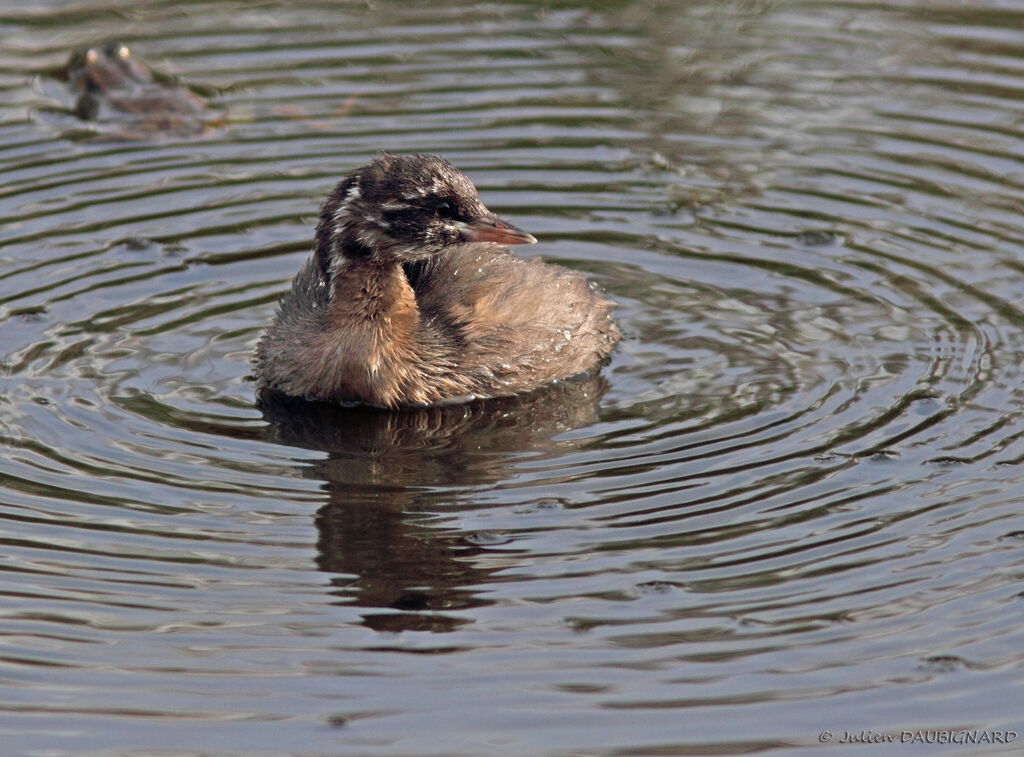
(412, 298)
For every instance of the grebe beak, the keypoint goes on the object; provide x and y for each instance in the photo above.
(490, 228)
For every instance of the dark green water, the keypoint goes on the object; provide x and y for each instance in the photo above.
(791, 503)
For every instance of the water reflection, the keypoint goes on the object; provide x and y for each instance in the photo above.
(386, 475)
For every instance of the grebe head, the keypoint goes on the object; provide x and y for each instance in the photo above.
(402, 209)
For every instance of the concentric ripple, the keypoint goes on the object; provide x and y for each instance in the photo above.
(789, 504)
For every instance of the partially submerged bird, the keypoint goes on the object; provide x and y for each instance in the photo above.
(411, 298)
(111, 85)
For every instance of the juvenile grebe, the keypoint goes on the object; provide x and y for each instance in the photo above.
(411, 298)
(111, 85)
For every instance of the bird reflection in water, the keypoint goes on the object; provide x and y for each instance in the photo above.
(388, 476)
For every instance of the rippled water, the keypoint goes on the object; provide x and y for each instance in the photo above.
(791, 503)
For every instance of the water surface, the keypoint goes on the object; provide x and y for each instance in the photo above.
(791, 502)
